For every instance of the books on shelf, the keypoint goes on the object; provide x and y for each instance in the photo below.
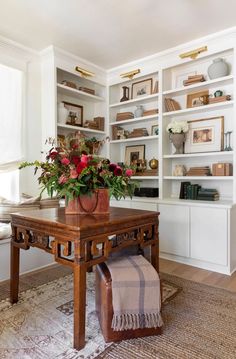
(121, 116)
(194, 79)
(199, 171)
(171, 105)
(219, 99)
(222, 169)
(196, 192)
(147, 173)
(150, 112)
(138, 132)
(87, 90)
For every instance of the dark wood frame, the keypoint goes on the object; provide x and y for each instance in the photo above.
(139, 82)
(78, 106)
(90, 235)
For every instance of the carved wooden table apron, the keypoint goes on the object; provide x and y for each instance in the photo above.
(81, 242)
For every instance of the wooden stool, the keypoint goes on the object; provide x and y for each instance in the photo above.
(104, 310)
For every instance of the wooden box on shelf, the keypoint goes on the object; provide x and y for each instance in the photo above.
(222, 169)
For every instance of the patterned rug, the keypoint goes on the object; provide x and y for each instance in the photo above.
(200, 323)
(40, 325)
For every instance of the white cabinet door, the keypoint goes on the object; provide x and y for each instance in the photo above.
(174, 229)
(209, 234)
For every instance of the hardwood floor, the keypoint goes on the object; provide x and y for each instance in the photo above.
(199, 275)
(53, 272)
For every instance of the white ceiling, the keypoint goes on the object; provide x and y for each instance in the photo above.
(113, 32)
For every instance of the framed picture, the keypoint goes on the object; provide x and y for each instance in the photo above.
(141, 88)
(205, 135)
(133, 154)
(197, 98)
(75, 114)
(155, 130)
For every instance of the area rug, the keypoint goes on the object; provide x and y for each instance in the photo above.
(200, 323)
(40, 325)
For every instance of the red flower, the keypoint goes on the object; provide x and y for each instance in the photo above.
(75, 160)
(84, 159)
(65, 161)
(80, 167)
(112, 167)
(73, 173)
(129, 172)
(53, 155)
(118, 171)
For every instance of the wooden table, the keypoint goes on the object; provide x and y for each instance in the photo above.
(81, 242)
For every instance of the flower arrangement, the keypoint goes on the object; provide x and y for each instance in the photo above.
(177, 127)
(69, 171)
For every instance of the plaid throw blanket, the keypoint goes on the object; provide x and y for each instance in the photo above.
(136, 294)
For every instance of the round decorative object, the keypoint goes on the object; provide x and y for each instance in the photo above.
(62, 113)
(178, 140)
(153, 164)
(125, 96)
(218, 93)
(139, 111)
(219, 68)
(96, 202)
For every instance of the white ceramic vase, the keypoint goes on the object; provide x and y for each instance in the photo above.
(219, 68)
(62, 113)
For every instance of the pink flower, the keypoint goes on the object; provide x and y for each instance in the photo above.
(73, 173)
(84, 159)
(118, 171)
(63, 179)
(65, 161)
(129, 172)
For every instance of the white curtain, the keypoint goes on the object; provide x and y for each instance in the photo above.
(11, 151)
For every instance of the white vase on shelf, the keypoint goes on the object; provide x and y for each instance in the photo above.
(62, 113)
(219, 68)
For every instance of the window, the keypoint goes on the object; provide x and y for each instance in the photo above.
(11, 149)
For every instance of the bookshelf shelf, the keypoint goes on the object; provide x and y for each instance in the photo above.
(136, 100)
(82, 129)
(146, 138)
(214, 106)
(145, 177)
(202, 178)
(202, 154)
(69, 91)
(198, 86)
(133, 120)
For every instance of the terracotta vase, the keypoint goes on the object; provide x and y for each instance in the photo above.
(178, 140)
(95, 203)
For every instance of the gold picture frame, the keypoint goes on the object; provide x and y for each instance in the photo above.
(196, 99)
(141, 88)
(205, 135)
(133, 154)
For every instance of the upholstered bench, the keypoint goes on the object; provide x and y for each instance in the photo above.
(104, 310)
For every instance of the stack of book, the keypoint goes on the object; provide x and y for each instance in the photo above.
(199, 171)
(188, 190)
(150, 112)
(138, 132)
(121, 116)
(171, 105)
(193, 80)
(208, 194)
(219, 99)
(87, 90)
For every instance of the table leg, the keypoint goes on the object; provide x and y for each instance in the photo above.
(79, 305)
(155, 250)
(14, 280)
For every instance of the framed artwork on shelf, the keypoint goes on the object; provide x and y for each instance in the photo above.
(155, 130)
(75, 114)
(133, 154)
(205, 135)
(141, 88)
(199, 98)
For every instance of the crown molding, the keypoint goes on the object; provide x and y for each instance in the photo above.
(14, 48)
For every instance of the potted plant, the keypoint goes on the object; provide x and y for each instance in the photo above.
(177, 131)
(85, 181)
